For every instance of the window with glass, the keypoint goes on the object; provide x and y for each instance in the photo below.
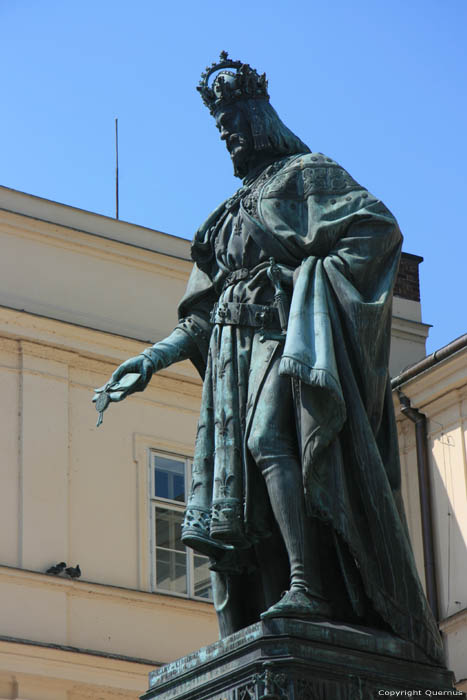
(176, 568)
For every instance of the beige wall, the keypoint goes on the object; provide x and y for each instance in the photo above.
(78, 494)
(80, 293)
(441, 394)
(73, 302)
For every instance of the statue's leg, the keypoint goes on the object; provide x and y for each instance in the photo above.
(228, 603)
(239, 599)
(273, 444)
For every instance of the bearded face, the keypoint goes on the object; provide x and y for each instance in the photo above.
(235, 131)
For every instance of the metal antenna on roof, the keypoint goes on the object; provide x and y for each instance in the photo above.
(116, 168)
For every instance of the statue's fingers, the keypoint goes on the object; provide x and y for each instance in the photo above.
(117, 395)
(117, 375)
(100, 389)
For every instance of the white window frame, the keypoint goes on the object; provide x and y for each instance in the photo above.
(178, 506)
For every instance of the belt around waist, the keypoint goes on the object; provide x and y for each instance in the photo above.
(232, 313)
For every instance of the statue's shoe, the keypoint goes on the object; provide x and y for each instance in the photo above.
(299, 604)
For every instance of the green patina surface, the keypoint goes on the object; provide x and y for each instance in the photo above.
(287, 314)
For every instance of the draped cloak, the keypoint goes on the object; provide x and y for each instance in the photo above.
(338, 248)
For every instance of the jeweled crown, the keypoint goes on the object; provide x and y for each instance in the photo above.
(228, 87)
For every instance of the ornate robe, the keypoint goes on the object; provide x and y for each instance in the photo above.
(338, 250)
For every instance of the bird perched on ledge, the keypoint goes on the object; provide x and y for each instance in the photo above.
(56, 569)
(73, 571)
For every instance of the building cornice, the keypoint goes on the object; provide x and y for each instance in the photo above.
(94, 591)
(5, 640)
(435, 358)
(51, 212)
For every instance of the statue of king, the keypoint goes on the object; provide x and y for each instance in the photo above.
(296, 491)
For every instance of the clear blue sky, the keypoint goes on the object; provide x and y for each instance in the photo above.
(378, 85)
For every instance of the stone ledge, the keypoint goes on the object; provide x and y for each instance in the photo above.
(286, 659)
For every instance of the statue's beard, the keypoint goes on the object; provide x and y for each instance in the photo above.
(241, 163)
(241, 151)
(244, 156)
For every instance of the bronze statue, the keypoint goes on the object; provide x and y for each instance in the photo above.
(287, 314)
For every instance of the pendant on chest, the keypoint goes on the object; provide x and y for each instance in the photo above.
(237, 227)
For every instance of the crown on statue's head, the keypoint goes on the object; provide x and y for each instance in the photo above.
(229, 86)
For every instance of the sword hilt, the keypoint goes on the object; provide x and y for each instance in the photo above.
(280, 297)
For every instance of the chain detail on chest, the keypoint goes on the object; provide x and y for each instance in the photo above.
(250, 199)
(248, 195)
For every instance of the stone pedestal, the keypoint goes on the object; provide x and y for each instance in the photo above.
(286, 659)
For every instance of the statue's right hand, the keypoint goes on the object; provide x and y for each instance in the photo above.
(133, 375)
(135, 365)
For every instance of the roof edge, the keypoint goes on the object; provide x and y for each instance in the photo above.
(438, 356)
(49, 211)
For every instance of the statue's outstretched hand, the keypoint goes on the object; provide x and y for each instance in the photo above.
(132, 375)
(122, 384)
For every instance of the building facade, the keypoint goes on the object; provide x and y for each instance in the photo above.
(434, 431)
(79, 294)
